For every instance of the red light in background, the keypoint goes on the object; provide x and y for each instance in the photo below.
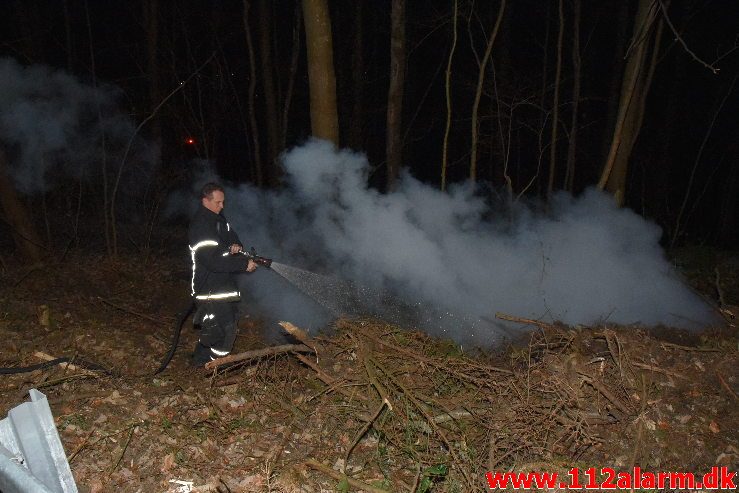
(190, 141)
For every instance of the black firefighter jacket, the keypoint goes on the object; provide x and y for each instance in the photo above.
(210, 238)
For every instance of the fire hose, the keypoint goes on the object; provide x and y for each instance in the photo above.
(185, 314)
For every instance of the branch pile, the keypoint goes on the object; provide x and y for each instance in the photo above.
(405, 398)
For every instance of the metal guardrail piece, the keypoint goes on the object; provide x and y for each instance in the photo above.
(32, 458)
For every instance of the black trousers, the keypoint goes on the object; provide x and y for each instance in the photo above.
(217, 321)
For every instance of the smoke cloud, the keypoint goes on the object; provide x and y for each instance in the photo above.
(453, 258)
(54, 127)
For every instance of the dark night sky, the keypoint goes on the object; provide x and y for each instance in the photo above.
(682, 103)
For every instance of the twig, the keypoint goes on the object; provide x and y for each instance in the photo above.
(605, 392)
(220, 480)
(726, 386)
(354, 483)
(419, 469)
(57, 381)
(655, 369)
(680, 40)
(408, 394)
(688, 348)
(80, 446)
(257, 353)
(125, 447)
(132, 312)
(452, 415)
(371, 374)
(364, 430)
(67, 365)
(639, 423)
(328, 379)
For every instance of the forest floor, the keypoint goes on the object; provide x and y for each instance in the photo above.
(371, 407)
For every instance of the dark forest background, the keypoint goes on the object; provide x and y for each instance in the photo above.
(525, 97)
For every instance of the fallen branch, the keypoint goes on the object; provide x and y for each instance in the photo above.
(605, 392)
(528, 321)
(354, 483)
(688, 348)
(329, 380)
(302, 336)
(371, 375)
(362, 432)
(655, 369)
(257, 353)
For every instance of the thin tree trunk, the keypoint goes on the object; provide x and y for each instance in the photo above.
(268, 82)
(356, 125)
(555, 103)
(68, 37)
(616, 77)
(108, 213)
(254, 131)
(543, 102)
(294, 58)
(17, 216)
(321, 77)
(394, 142)
(696, 163)
(447, 86)
(576, 62)
(151, 16)
(478, 91)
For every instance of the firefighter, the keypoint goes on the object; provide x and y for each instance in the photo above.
(214, 248)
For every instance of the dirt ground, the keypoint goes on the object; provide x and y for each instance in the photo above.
(370, 408)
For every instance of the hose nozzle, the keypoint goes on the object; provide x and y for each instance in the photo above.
(263, 261)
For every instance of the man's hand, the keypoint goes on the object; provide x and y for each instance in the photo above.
(251, 266)
(235, 248)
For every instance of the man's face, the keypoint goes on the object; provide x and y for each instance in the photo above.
(214, 203)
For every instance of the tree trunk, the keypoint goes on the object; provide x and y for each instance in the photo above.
(151, 17)
(478, 91)
(258, 175)
(268, 82)
(447, 85)
(294, 58)
(555, 103)
(394, 140)
(355, 133)
(17, 216)
(636, 81)
(572, 147)
(322, 80)
(68, 37)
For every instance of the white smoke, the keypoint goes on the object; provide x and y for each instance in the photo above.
(53, 127)
(585, 262)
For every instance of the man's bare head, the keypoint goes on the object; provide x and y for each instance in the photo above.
(212, 197)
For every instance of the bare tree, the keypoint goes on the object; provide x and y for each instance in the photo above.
(447, 85)
(478, 91)
(637, 79)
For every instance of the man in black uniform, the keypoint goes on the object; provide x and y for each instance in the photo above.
(214, 247)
